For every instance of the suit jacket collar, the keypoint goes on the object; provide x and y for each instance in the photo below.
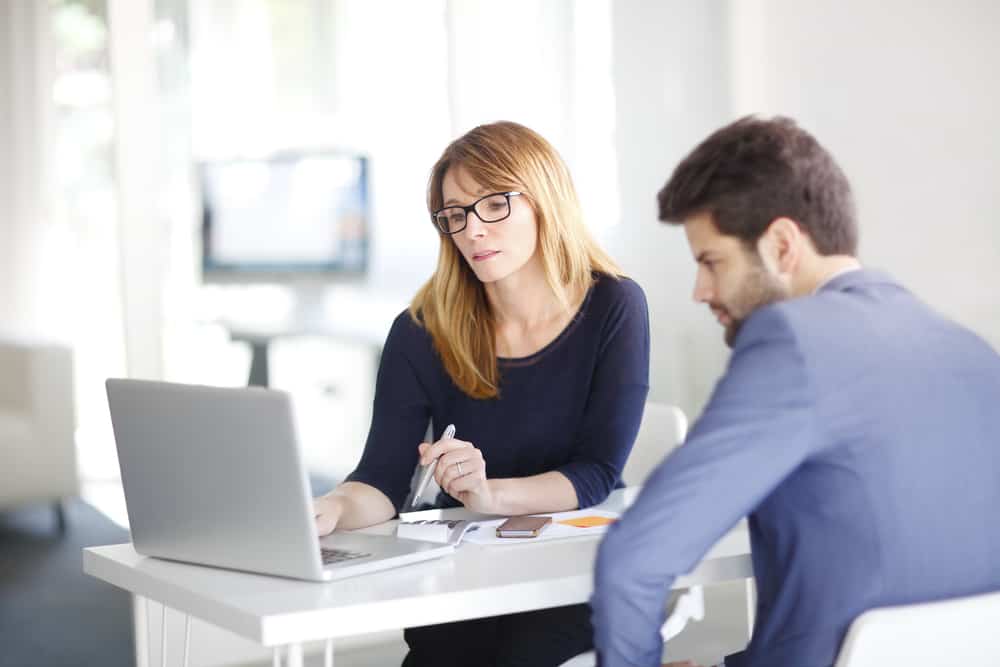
(856, 278)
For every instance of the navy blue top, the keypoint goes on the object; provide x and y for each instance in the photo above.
(574, 406)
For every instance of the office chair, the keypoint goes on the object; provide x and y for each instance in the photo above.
(959, 631)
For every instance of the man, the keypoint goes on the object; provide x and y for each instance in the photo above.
(857, 428)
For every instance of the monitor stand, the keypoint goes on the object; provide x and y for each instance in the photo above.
(348, 312)
(308, 316)
(309, 313)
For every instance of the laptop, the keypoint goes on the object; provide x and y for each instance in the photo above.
(214, 476)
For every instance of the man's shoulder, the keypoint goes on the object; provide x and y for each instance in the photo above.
(804, 327)
(867, 319)
(859, 296)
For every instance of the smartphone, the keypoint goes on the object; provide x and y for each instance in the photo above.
(523, 526)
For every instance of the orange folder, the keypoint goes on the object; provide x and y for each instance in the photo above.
(588, 521)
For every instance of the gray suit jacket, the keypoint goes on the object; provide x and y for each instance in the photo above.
(859, 430)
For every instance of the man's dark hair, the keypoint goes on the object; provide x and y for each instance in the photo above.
(753, 171)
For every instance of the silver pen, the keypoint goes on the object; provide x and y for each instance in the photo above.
(449, 432)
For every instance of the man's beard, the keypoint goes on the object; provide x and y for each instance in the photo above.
(760, 288)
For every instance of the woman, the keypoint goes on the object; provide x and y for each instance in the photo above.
(530, 342)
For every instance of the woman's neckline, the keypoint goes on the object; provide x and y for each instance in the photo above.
(562, 335)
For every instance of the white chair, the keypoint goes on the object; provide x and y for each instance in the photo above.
(960, 631)
(663, 428)
(37, 421)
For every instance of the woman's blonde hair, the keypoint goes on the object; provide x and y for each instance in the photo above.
(452, 305)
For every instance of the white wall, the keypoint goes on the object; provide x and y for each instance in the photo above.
(547, 65)
(672, 88)
(907, 97)
(511, 61)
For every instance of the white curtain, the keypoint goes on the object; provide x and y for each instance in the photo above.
(25, 138)
(144, 232)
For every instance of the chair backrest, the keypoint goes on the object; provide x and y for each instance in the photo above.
(961, 631)
(663, 428)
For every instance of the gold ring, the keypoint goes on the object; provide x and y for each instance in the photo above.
(459, 466)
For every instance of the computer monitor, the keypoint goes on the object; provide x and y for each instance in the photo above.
(288, 217)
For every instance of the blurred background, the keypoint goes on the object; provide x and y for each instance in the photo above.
(233, 191)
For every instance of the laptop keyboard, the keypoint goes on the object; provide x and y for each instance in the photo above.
(331, 556)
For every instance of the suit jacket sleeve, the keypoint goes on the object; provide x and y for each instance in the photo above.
(757, 428)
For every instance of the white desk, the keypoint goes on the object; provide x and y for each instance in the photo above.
(476, 581)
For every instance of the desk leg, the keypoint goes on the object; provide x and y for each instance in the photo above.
(259, 371)
(328, 653)
(163, 636)
(295, 655)
(187, 638)
(140, 629)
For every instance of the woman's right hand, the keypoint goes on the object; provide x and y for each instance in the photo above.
(327, 509)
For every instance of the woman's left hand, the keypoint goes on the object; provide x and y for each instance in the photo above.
(460, 472)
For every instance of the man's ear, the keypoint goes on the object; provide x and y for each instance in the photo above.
(781, 246)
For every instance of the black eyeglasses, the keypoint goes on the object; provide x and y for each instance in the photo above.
(488, 208)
